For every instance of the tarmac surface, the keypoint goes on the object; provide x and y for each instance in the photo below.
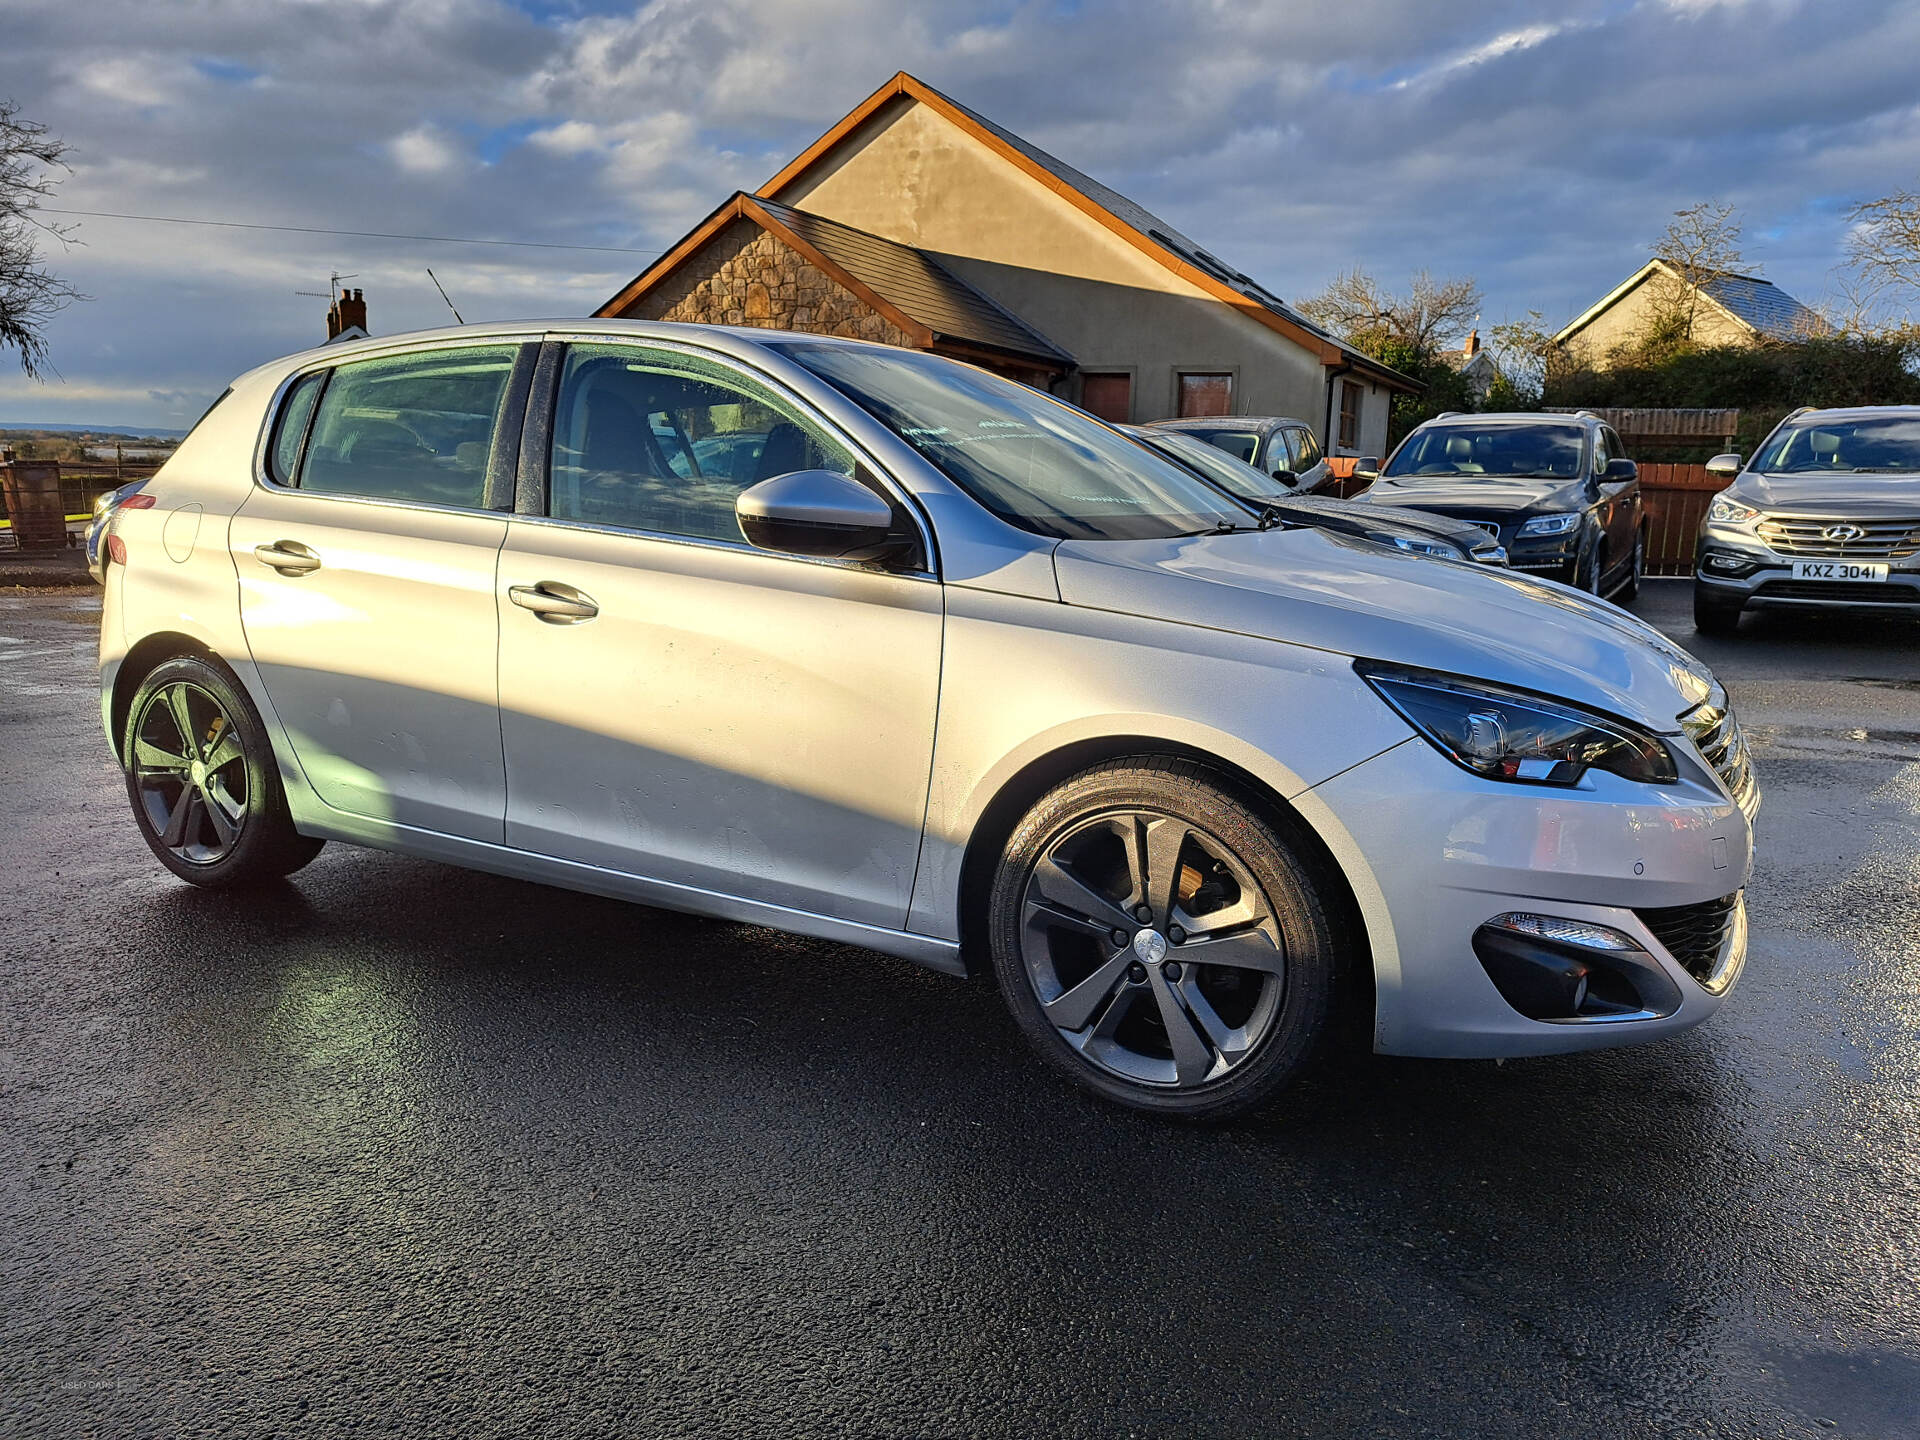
(400, 1149)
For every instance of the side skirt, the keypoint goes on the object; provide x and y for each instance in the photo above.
(329, 824)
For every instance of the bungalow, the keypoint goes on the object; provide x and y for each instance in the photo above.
(918, 222)
(1730, 310)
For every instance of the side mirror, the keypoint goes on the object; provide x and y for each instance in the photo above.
(1286, 478)
(820, 513)
(1728, 464)
(1367, 465)
(1620, 471)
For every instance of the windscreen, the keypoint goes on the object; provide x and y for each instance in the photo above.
(1464, 451)
(1881, 445)
(1036, 463)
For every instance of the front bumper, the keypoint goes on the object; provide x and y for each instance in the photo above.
(1445, 852)
(1733, 565)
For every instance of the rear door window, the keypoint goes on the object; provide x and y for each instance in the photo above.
(417, 428)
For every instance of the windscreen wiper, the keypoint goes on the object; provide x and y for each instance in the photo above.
(1272, 517)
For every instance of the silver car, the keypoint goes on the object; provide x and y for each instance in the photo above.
(1827, 516)
(870, 645)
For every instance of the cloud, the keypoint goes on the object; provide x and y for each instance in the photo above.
(423, 150)
(1537, 146)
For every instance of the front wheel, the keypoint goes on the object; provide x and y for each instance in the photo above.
(200, 772)
(1164, 944)
(1714, 616)
(1631, 589)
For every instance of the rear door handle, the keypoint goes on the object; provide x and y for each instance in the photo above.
(289, 557)
(553, 602)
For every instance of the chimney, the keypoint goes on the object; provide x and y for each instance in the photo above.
(1470, 349)
(345, 313)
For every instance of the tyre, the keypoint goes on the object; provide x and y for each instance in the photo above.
(1630, 589)
(1714, 616)
(1586, 572)
(201, 775)
(1164, 943)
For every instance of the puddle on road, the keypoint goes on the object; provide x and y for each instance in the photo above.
(1852, 743)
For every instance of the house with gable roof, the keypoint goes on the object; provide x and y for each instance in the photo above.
(917, 221)
(1733, 310)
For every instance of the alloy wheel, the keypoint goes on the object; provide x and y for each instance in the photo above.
(190, 773)
(1151, 948)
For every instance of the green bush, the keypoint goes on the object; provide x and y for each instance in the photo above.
(1763, 382)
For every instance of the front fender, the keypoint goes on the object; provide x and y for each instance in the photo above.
(1024, 679)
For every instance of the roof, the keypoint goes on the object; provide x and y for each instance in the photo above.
(1760, 305)
(1461, 361)
(1135, 223)
(1259, 424)
(1764, 306)
(912, 289)
(1584, 419)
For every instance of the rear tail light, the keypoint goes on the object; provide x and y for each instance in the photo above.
(116, 550)
(141, 501)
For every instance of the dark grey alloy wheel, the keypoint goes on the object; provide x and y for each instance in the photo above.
(1161, 943)
(201, 776)
(189, 772)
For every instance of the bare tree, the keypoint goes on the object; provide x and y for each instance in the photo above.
(1883, 245)
(29, 293)
(1430, 317)
(1700, 245)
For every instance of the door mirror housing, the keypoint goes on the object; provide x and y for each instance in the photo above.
(1286, 478)
(819, 513)
(1621, 470)
(1728, 464)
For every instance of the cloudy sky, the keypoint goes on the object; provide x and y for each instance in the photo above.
(1539, 147)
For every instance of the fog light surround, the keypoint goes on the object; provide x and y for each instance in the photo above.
(1572, 972)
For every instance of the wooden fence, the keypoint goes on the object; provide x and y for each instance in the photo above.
(1676, 499)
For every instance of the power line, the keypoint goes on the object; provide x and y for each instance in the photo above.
(359, 234)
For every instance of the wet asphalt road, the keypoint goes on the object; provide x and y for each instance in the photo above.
(398, 1149)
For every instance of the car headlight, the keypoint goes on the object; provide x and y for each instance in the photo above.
(1425, 547)
(1550, 524)
(1730, 512)
(1506, 735)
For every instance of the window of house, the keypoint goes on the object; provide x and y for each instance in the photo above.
(1350, 396)
(409, 427)
(1205, 394)
(1110, 396)
(656, 441)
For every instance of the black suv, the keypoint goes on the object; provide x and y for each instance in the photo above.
(1554, 489)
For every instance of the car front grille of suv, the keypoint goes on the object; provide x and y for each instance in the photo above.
(1854, 539)
(1723, 745)
(1697, 935)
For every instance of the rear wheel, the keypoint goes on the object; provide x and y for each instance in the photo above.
(1714, 616)
(202, 779)
(1162, 943)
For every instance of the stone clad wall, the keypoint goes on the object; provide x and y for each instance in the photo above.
(747, 276)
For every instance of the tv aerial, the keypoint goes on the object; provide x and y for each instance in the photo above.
(332, 292)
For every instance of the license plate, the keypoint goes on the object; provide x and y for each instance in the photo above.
(1837, 570)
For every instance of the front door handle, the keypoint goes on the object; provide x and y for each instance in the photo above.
(288, 557)
(553, 602)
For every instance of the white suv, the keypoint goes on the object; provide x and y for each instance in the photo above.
(867, 644)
